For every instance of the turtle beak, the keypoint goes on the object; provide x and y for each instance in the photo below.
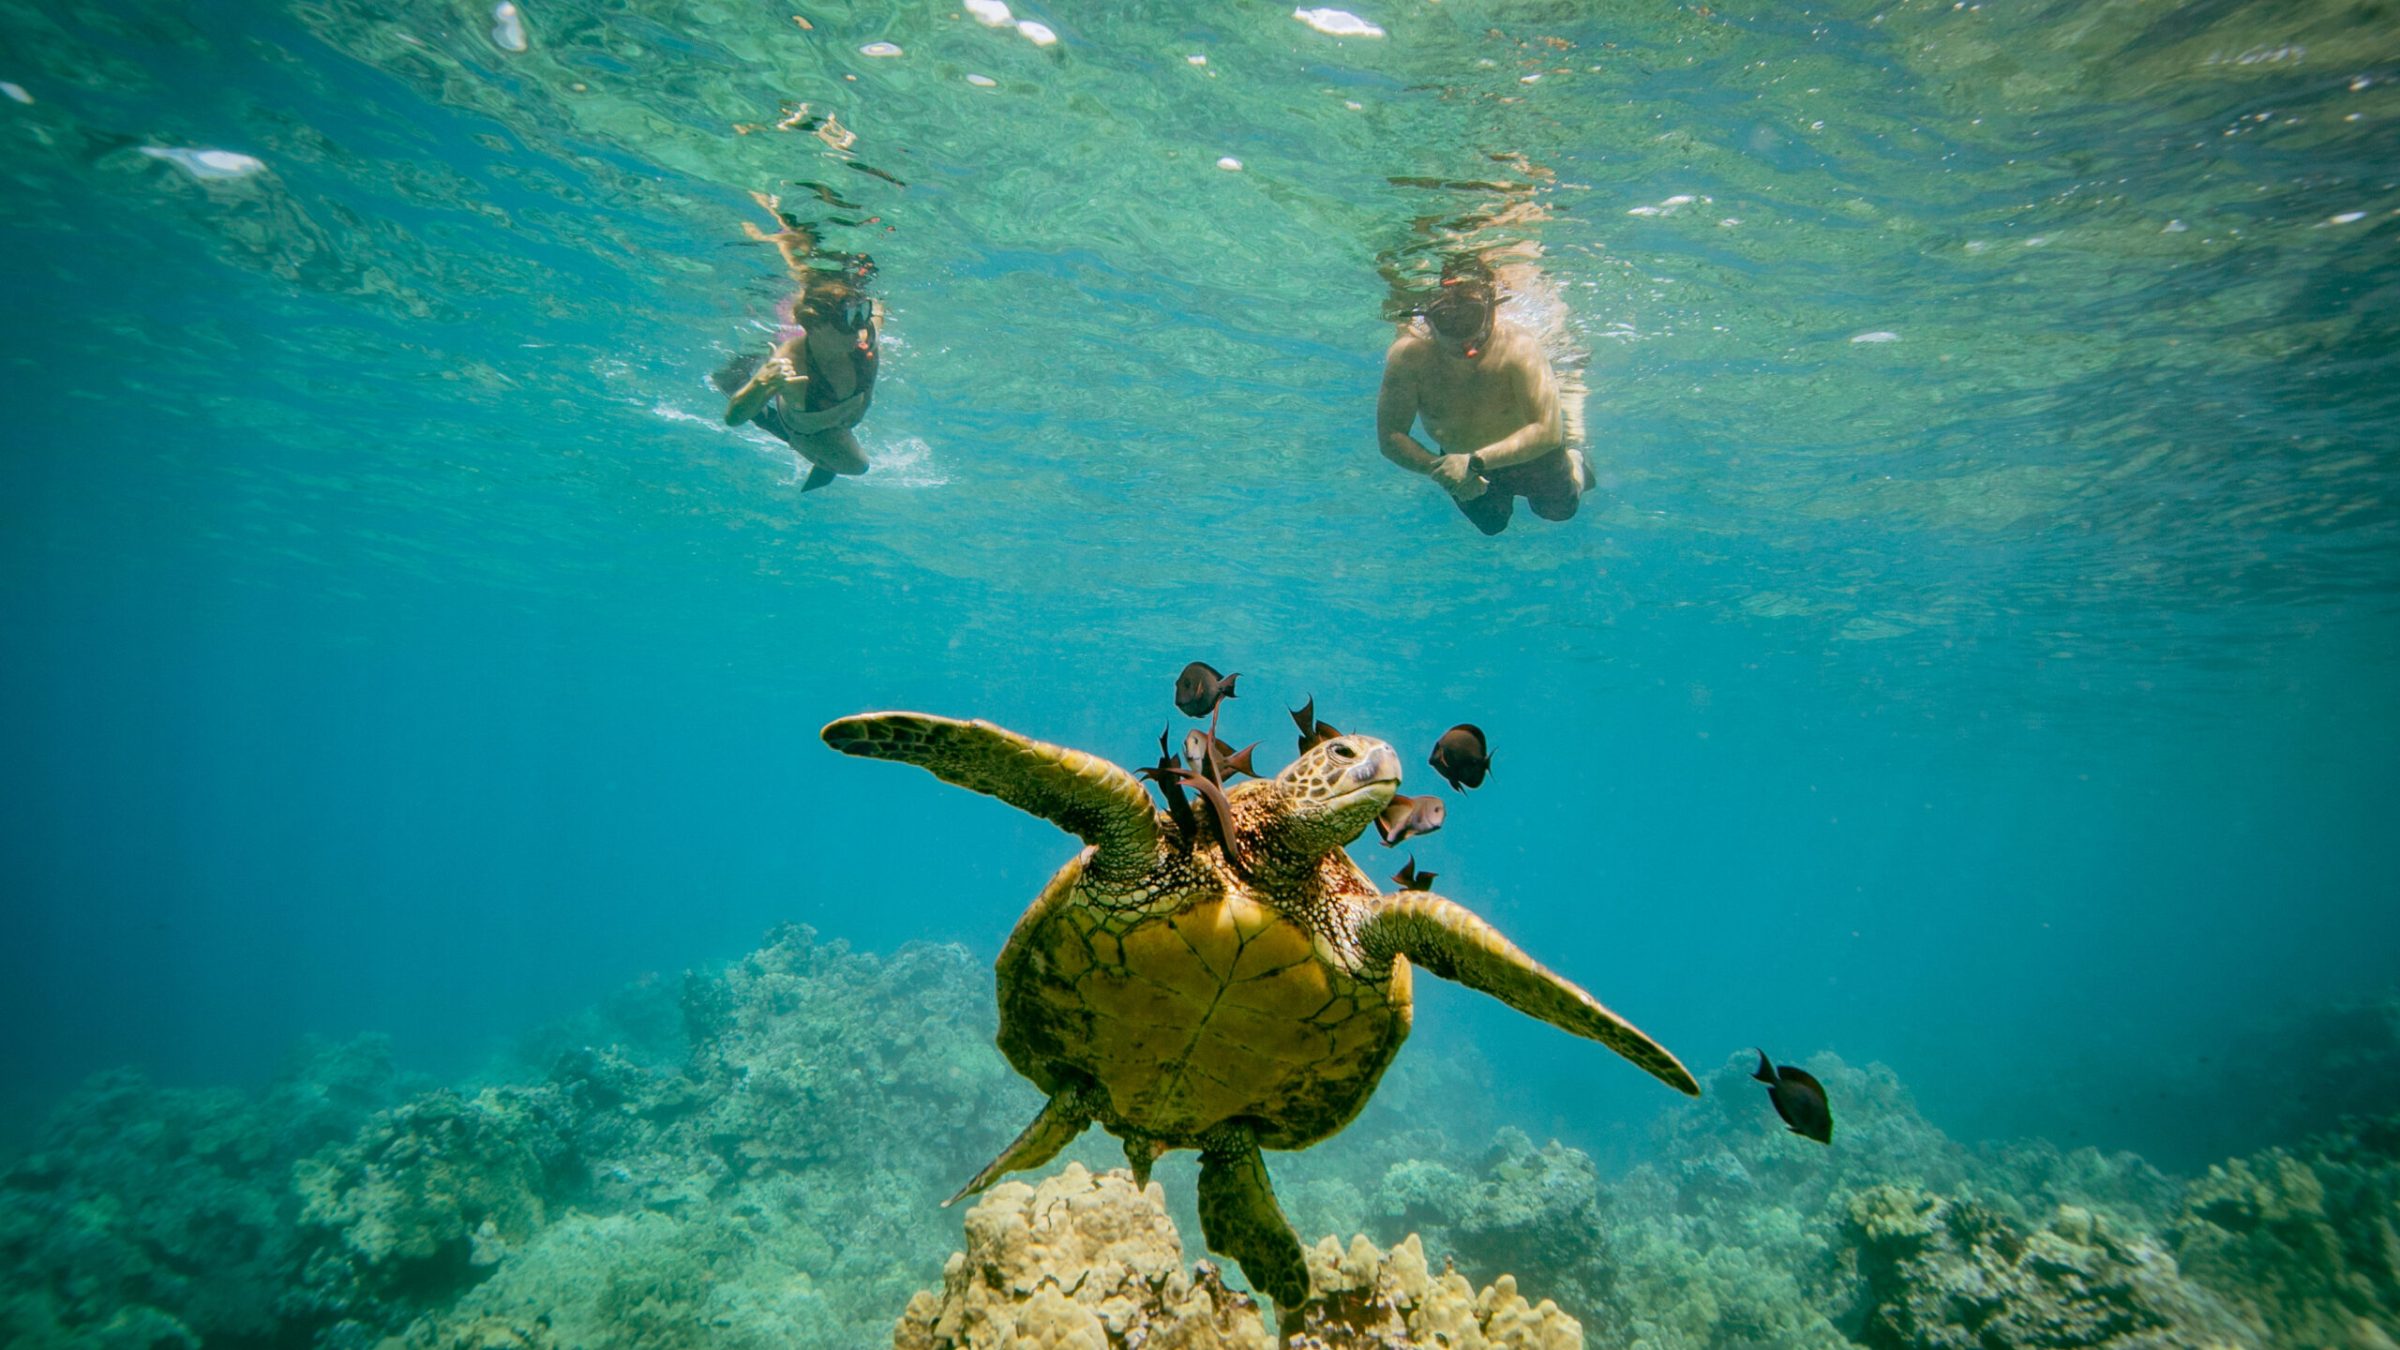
(1380, 765)
(1376, 774)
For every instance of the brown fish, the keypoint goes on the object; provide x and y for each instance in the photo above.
(1217, 803)
(1164, 774)
(1215, 758)
(1199, 689)
(1799, 1098)
(1408, 817)
(1410, 879)
(1461, 757)
(1313, 733)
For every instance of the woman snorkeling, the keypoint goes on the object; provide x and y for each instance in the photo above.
(817, 383)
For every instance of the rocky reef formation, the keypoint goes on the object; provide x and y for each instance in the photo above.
(2309, 1244)
(1077, 1261)
(161, 1217)
(1903, 1239)
(1365, 1298)
(755, 1157)
(769, 1190)
(1942, 1272)
(1090, 1261)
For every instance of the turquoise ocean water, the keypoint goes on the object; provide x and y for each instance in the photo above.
(1979, 657)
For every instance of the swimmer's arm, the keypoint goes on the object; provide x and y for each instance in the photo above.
(1543, 432)
(1396, 415)
(779, 372)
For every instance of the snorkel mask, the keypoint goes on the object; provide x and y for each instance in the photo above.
(1462, 313)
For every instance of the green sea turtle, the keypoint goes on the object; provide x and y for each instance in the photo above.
(1184, 1000)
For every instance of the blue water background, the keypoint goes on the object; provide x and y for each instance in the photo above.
(392, 642)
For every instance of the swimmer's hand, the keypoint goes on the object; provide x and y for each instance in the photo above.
(778, 371)
(774, 375)
(1451, 472)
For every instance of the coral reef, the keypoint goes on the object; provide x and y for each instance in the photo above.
(1077, 1261)
(1085, 1260)
(1950, 1274)
(147, 1216)
(754, 1158)
(770, 1192)
(1740, 1234)
(1365, 1298)
(1530, 1210)
(2309, 1245)
(428, 1195)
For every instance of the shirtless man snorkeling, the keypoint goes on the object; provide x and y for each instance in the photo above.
(1488, 397)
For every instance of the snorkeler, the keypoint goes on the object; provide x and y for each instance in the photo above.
(818, 381)
(1488, 397)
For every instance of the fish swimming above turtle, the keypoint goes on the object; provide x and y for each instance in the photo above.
(1179, 1000)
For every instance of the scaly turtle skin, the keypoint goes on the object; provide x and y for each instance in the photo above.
(1182, 1003)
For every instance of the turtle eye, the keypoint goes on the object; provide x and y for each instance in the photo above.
(1341, 751)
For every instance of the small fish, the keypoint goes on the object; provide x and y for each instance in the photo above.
(1408, 817)
(1223, 809)
(1461, 757)
(1410, 879)
(1164, 773)
(1199, 689)
(1799, 1098)
(1215, 758)
(1313, 733)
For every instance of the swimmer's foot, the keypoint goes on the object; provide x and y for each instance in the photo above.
(1583, 472)
(818, 476)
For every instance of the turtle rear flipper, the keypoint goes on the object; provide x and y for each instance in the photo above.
(1082, 794)
(1062, 1118)
(1448, 940)
(1239, 1217)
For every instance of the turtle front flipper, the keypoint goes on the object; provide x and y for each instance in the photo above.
(1082, 794)
(1448, 940)
(1239, 1217)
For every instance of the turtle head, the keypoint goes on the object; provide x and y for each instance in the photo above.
(1329, 795)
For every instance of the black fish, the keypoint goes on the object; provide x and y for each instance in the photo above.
(1410, 879)
(1313, 733)
(1408, 817)
(1461, 757)
(1215, 758)
(1215, 797)
(1164, 774)
(1200, 688)
(1799, 1098)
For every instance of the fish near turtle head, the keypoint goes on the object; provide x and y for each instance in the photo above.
(1329, 796)
(1199, 689)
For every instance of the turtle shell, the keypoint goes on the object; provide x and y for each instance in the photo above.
(1196, 1009)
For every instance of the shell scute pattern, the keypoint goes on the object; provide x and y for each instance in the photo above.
(1273, 948)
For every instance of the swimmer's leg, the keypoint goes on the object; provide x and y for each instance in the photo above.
(1491, 511)
(831, 453)
(1557, 499)
(1560, 507)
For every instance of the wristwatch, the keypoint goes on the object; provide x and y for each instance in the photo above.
(1475, 463)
